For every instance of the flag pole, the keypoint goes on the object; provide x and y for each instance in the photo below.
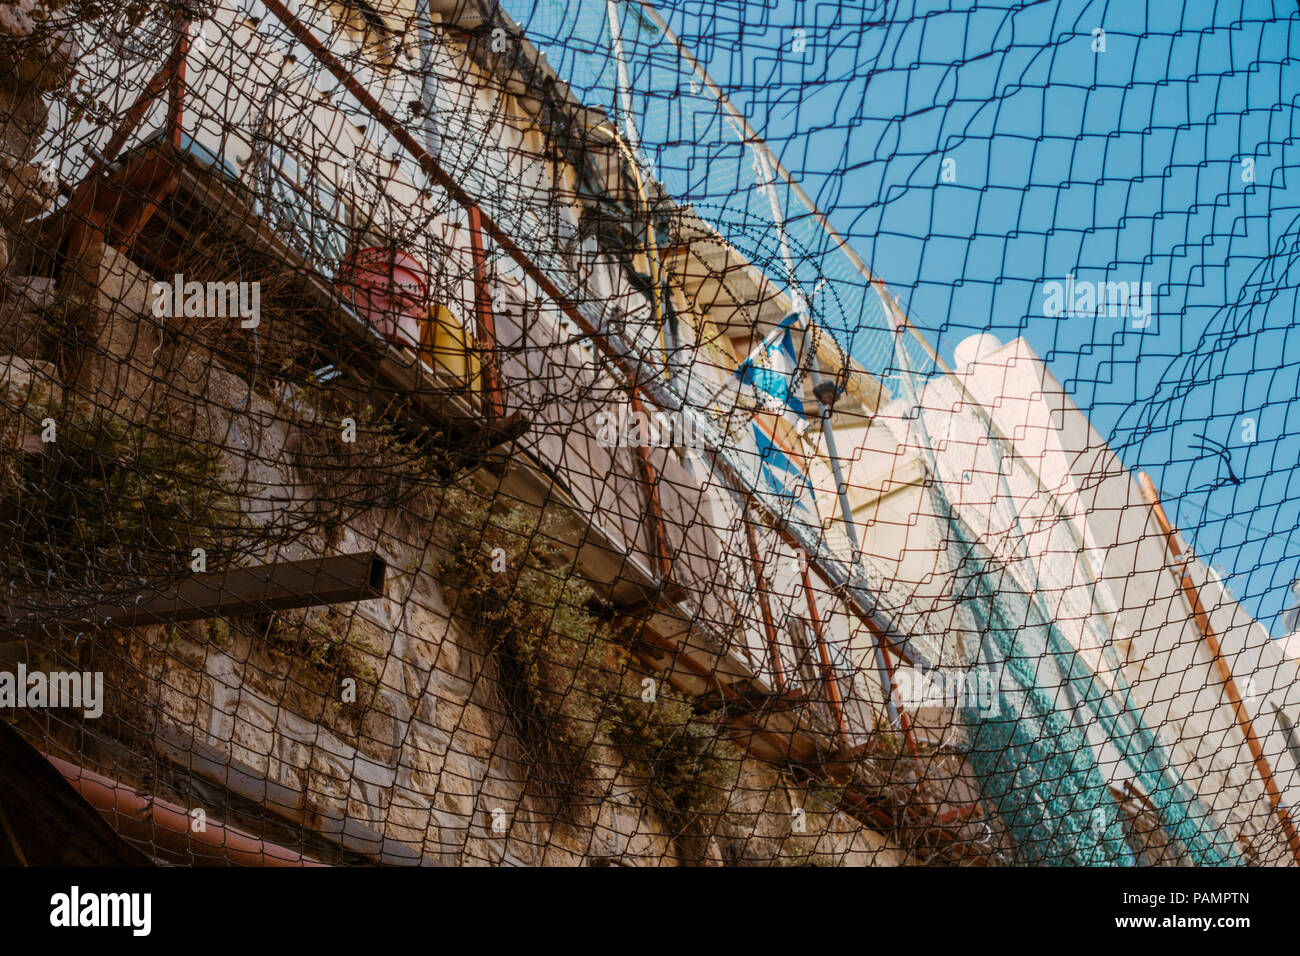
(432, 137)
(826, 392)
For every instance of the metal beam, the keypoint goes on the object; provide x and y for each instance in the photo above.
(760, 588)
(269, 587)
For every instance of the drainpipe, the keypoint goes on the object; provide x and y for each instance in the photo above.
(493, 399)
(149, 820)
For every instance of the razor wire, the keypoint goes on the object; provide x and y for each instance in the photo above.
(287, 283)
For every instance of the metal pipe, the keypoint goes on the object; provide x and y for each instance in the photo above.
(773, 645)
(649, 477)
(159, 823)
(825, 391)
(883, 669)
(494, 403)
(828, 670)
(428, 83)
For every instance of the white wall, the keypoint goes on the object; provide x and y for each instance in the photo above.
(1074, 521)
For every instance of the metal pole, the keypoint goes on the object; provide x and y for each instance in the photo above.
(773, 644)
(432, 139)
(1177, 570)
(825, 392)
(624, 78)
(632, 147)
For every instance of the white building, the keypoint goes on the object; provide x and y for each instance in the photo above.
(1024, 471)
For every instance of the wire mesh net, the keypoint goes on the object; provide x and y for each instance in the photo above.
(577, 432)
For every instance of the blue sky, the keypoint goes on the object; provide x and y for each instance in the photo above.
(1117, 165)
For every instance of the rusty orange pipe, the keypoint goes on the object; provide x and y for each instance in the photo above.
(164, 824)
(828, 670)
(495, 403)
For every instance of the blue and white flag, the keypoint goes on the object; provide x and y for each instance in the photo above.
(781, 477)
(772, 370)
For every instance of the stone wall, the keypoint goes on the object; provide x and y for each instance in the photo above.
(423, 765)
(34, 59)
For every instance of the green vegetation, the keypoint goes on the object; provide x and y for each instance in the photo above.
(371, 465)
(691, 767)
(108, 501)
(565, 668)
(331, 642)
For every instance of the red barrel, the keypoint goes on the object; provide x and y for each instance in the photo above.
(389, 289)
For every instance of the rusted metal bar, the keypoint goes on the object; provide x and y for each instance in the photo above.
(654, 509)
(270, 587)
(176, 105)
(769, 626)
(904, 722)
(443, 179)
(828, 669)
(150, 177)
(1244, 723)
(493, 398)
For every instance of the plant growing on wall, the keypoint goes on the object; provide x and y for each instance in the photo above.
(335, 646)
(359, 460)
(690, 765)
(105, 503)
(565, 669)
